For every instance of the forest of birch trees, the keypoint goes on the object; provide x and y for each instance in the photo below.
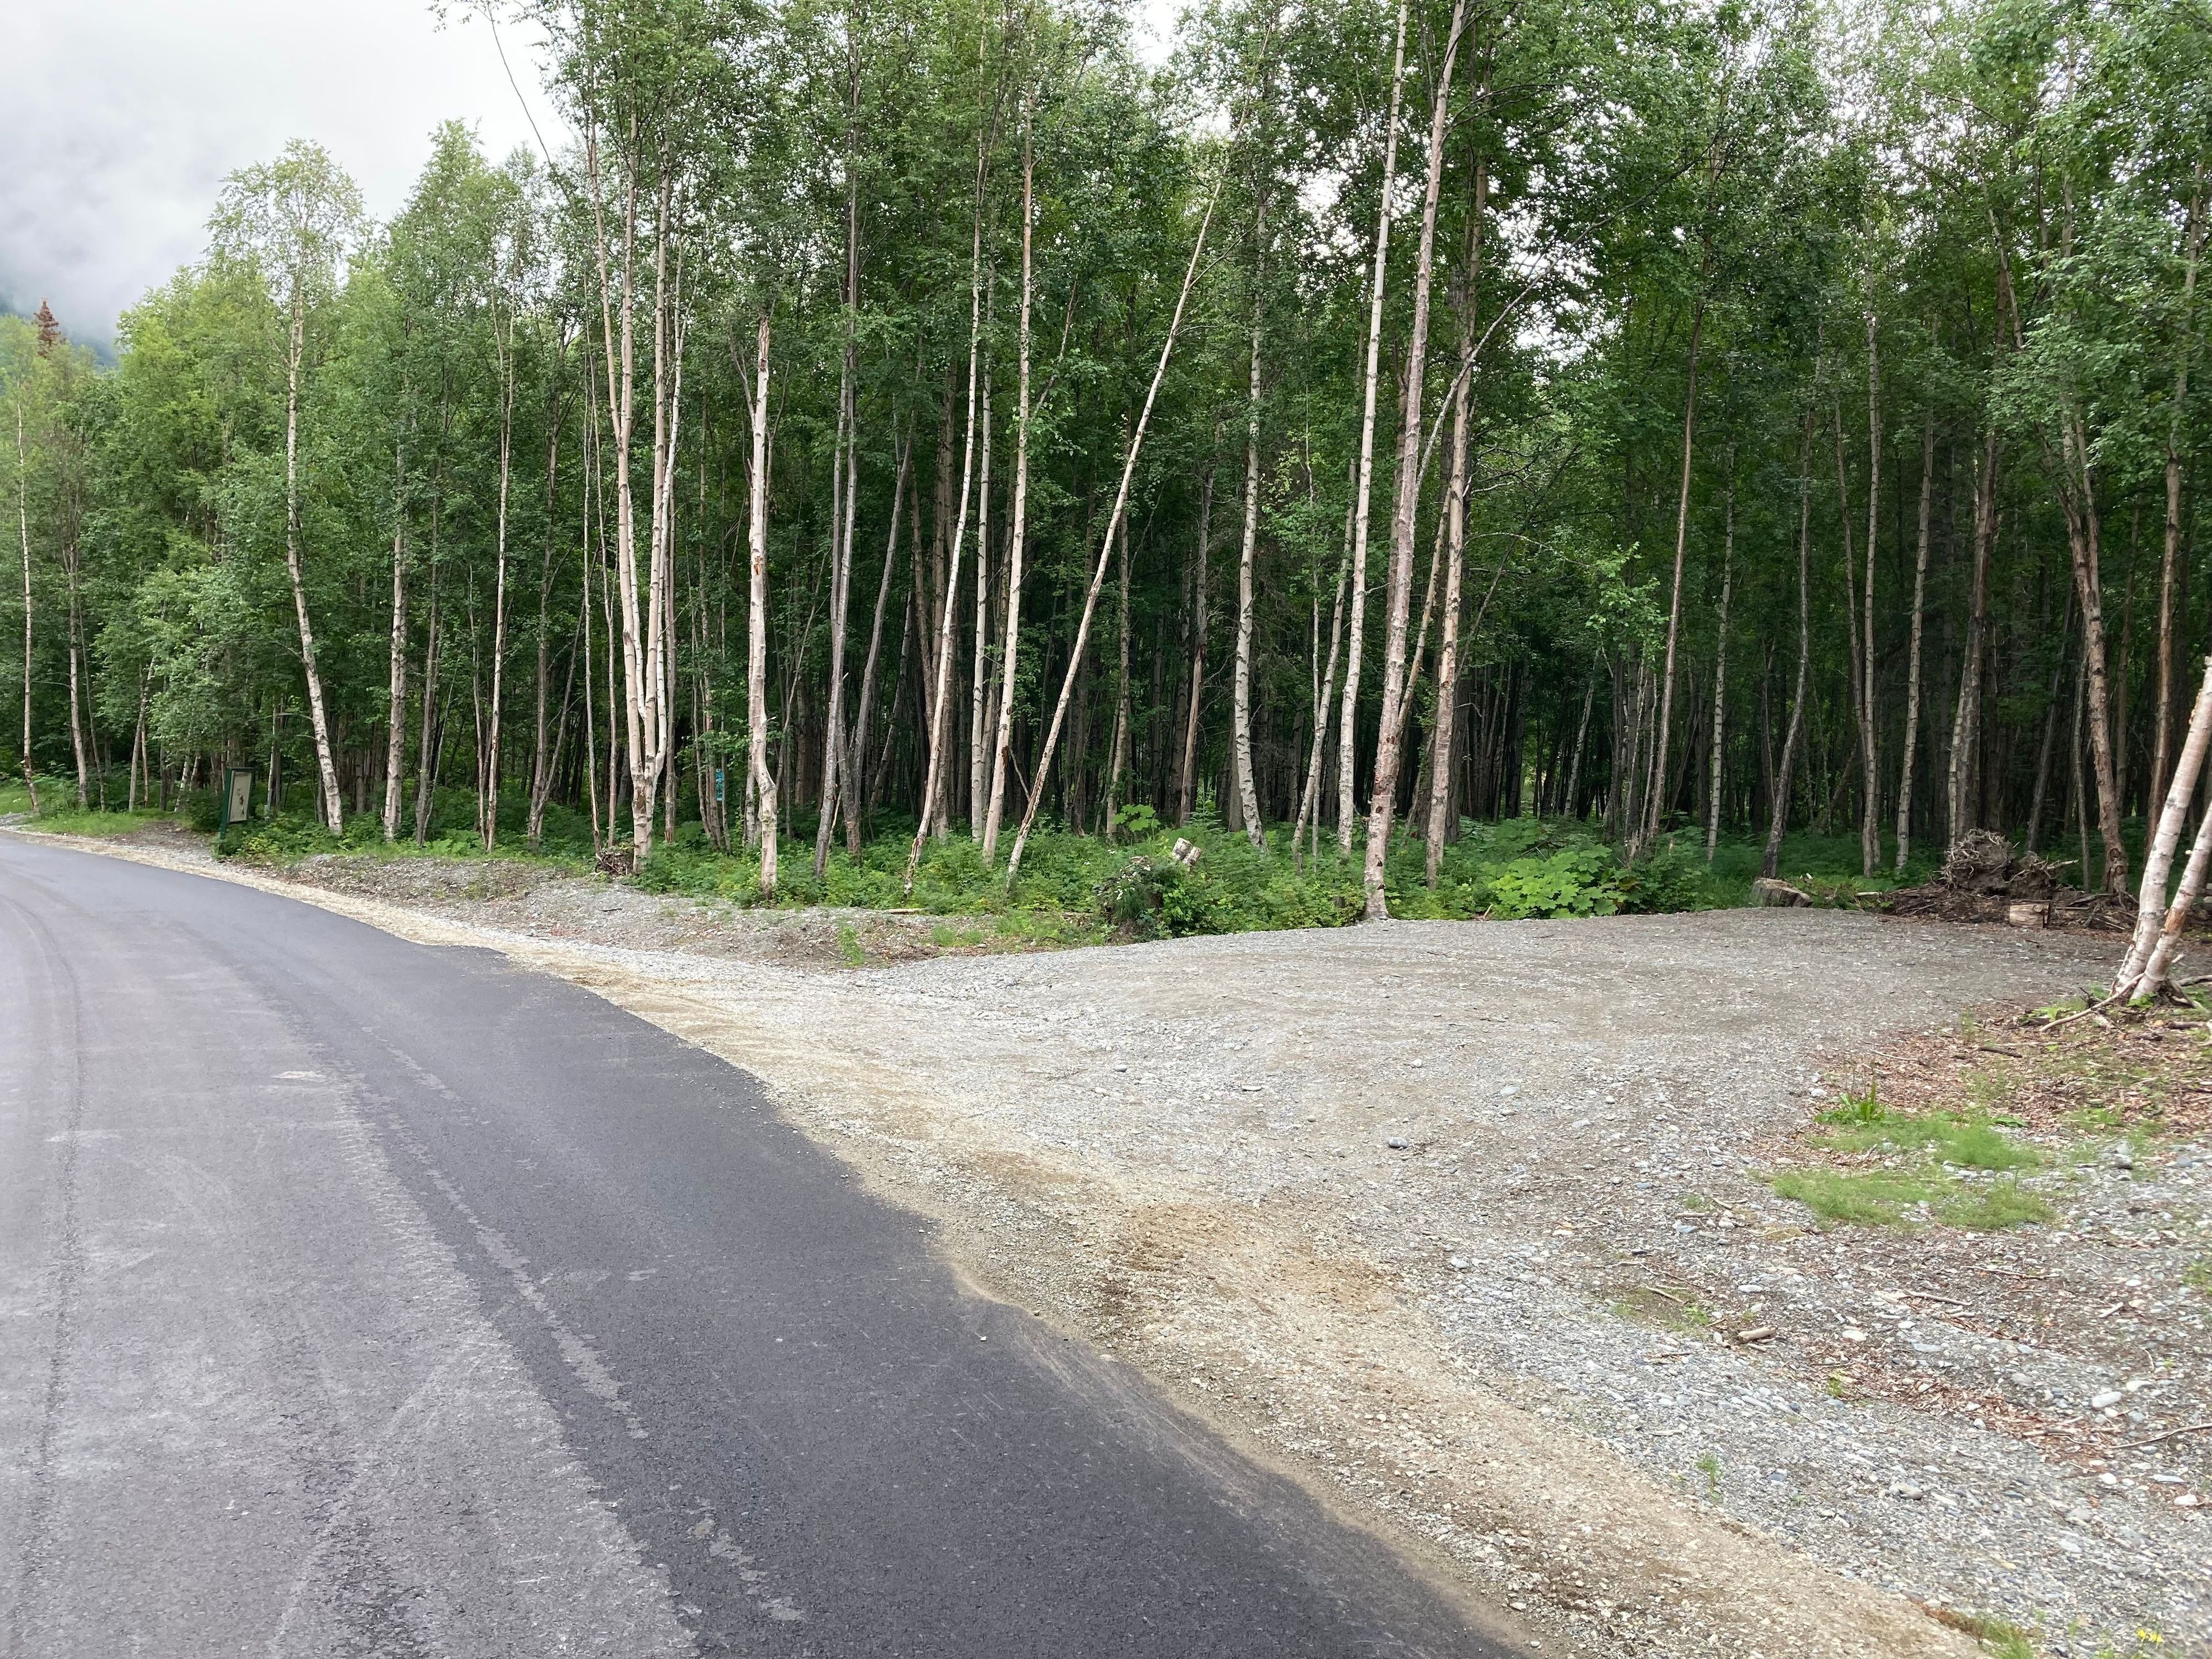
(860, 425)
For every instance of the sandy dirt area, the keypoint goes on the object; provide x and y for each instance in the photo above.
(1469, 1226)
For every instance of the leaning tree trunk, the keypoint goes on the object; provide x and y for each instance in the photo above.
(1113, 523)
(2146, 971)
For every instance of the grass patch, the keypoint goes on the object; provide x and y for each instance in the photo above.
(849, 950)
(1993, 1208)
(1882, 1197)
(1840, 1198)
(1969, 1143)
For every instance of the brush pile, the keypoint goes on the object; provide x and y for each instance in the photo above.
(1985, 879)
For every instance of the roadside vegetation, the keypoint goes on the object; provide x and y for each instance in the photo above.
(1072, 888)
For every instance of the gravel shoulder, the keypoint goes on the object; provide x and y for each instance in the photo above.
(1466, 1225)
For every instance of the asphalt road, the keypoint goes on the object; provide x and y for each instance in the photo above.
(363, 1297)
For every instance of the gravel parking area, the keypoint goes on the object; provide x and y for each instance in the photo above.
(1467, 1224)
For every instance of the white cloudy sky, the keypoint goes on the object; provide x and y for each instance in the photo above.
(121, 117)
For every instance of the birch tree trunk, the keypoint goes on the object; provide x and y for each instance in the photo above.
(333, 805)
(1247, 795)
(979, 665)
(940, 701)
(639, 691)
(395, 741)
(757, 711)
(2141, 973)
(1362, 491)
(1390, 741)
(1912, 656)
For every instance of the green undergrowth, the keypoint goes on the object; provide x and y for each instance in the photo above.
(1957, 1169)
(1072, 887)
(1134, 886)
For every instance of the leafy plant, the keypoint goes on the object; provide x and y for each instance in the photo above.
(1574, 881)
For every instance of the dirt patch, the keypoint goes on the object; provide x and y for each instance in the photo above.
(1471, 1226)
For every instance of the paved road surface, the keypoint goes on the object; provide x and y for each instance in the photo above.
(361, 1298)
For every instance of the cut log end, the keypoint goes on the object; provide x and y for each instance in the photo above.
(1779, 895)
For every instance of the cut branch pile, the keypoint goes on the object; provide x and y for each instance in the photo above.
(1984, 878)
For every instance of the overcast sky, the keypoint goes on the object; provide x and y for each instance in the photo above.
(122, 117)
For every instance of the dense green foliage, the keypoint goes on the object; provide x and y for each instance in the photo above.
(1711, 312)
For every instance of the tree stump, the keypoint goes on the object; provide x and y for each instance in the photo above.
(1778, 894)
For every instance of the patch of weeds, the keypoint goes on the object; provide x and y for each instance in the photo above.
(1696, 1202)
(1839, 1386)
(2198, 1275)
(1670, 1310)
(2003, 1204)
(1858, 1109)
(2065, 1006)
(1969, 1143)
(1997, 1636)
(950, 936)
(1880, 1198)
(2097, 1120)
(849, 950)
(1875, 1198)
(1708, 1465)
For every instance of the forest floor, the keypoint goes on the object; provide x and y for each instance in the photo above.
(1481, 1229)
